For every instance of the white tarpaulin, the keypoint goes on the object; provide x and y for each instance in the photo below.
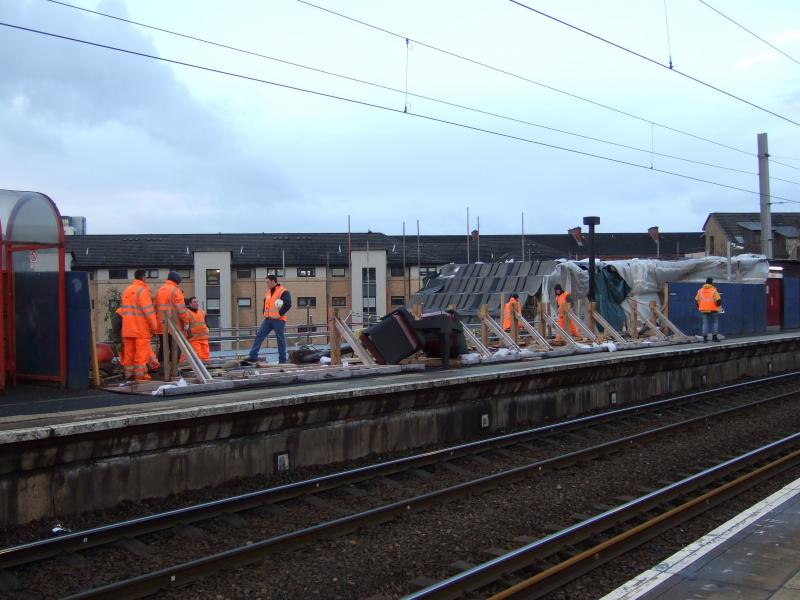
(646, 277)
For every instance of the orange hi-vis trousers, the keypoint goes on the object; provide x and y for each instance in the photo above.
(136, 353)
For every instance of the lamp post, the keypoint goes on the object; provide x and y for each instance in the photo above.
(735, 247)
(591, 222)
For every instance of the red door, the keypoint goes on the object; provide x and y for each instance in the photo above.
(774, 295)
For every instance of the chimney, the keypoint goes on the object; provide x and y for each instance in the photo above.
(577, 234)
(653, 231)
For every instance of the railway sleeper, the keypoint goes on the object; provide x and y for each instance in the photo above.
(134, 546)
(9, 583)
(449, 466)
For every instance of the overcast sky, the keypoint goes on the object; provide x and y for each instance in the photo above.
(139, 145)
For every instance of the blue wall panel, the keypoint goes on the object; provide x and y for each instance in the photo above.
(791, 302)
(745, 308)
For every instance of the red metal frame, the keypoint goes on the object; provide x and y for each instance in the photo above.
(7, 293)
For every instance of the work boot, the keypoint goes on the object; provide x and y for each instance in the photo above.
(705, 338)
(715, 337)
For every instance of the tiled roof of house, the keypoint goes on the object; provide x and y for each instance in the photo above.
(297, 249)
(733, 223)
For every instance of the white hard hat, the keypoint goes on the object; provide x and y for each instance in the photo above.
(278, 303)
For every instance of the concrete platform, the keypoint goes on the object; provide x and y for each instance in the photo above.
(754, 556)
(66, 454)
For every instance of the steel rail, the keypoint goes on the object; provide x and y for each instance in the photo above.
(184, 573)
(493, 570)
(580, 564)
(46, 548)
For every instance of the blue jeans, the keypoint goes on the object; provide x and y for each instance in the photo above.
(710, 323)
(279, 327)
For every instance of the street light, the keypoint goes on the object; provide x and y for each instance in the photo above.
(731, 245)
(591, 222)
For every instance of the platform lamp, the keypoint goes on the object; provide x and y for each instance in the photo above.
(591, 222)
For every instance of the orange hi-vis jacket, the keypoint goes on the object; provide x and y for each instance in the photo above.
(561, 300)
(169, 297)
(511, 305)
(270, 312)
(708, 299)
(198, 330)
(138, 315)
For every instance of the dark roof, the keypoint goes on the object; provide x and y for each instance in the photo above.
(247, 249)
(733, 224)
(298, 249)
(626, 245)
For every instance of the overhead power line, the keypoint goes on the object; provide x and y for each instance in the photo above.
(739, 25)
(376, 106)
(653, 61)
(405, 91)
(526, 79)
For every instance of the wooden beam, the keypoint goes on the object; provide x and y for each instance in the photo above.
(197, 365)
(354, 343)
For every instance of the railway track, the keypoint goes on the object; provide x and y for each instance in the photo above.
(441, 476)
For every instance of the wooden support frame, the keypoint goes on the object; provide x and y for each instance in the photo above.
(502, 335)
(538, 338)
(473, 339)
(568, 339)
(571, 316)
(607, 328)
(354, 342)
(194, 361)
(669, 325)
(654, 330)
(483, 313)
(335, 340)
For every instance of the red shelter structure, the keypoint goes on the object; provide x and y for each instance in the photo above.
(34, 316)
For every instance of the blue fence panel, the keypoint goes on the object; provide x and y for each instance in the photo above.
(759, 307)
(791, 302)
(79, 337)
(682, 308)
(745, 308)
(732, 320)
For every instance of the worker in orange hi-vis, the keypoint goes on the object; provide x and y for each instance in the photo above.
(169, 299)
(562, 299)
(197, 331)
(512, 305)
(138, 326)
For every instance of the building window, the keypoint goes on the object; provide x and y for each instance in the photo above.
(275, 271)
(398, 301)
(339, 301)
(368, 291)
(425, 271)
(306, 272)
(212, 276)
(244, 273)
(307, 301)
(243, 302)
(337, 272)
(184, 273)
(212, 305)
(711, 244)
(152, 273)
(396, 271)
(118, 273)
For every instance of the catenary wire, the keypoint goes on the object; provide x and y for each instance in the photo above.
(405, 91)
(653, 61)
(377, 106)
(524, 78)
(739, 25)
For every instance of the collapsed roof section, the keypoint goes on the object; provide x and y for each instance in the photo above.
(467, 287)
